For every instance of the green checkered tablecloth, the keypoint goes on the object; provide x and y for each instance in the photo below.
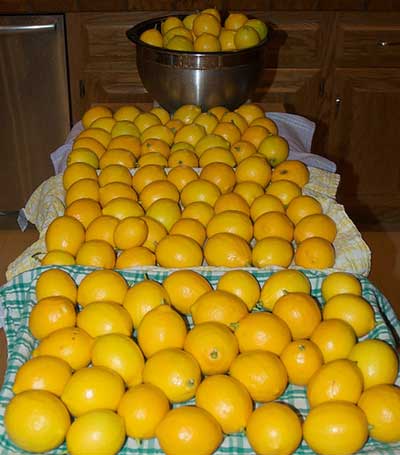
(18, 296)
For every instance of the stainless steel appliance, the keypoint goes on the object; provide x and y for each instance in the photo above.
(34, 105)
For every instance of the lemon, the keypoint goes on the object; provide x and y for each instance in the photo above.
(206, 23)
(130, 232)
(91, 144)
(143, 297)
(84, 210)
(83, 155)
(93, 388)
(187, 113)
(165, 211)
(259, 26)
(156, 231)
(136, 256)
(246, 37)
(159, 132)
(36, 421)
(127, 112)
(227, 40)
(98, 432)
(99, 134)
(100, 318)
(340, 283)
(42, 373)
(101, 285)
(225, 249)
(65, 233)
(161, 113)
(161, 328)
(243, 284)
(115, 190)
(126, 142)
(96, 253)
(58, 257)
(51, 314)
(54, 283)
(122, 207)
(177, 31)
(235, 20)
(176, 250)
(114, 173)
(117, 156)
(104, 123)
(102, 228)
(71, 344)
(124, 127)
(169, 23)
(95, 113)
(152, 37)
(207, 42)
(84, 188)
(143, 407)
(121, 354)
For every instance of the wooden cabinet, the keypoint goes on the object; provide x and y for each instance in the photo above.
(338, 69)
(364, 136)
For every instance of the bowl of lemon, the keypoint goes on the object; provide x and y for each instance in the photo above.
(204, 58)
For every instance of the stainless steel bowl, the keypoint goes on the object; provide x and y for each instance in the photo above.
(207, 79)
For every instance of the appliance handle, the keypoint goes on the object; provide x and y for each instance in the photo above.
(5, 29)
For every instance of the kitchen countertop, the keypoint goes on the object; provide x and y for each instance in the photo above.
(65, 6)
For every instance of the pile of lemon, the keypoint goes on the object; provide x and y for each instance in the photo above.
(205, 32)
(144, 188)
(122, 360)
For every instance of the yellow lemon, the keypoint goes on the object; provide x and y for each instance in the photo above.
(159, 132)
(190, 228)
(285, 190)
(84, 210)
(135, 257)
(160, 189)
(201, 211)
(175, 372)
(55, 283)
(176, 250)
(114, 190)
(213, 345)
(207, 120)
(100, 318)
(114, 173)
(340, 283)
(102, 285)
(200, 190)
(186, 113)
(165, 211)
(254, 169)
(317, 225)
(127, 112)
(250, 111)
(121, 354)
(42, 373)
(57, 257)
(353, 309)
(93, 388)
(50, 314)
(77, 171)
(281, 429)
(126, 142)
(216, 155)
(246, 37)
(89, 143)
(183, 157)
(381, 404)
(243, 284)
(302, 206)
(124, 128)
(102, 136)
(142, 297)
(281, 283)
(231, 201)
(235, 20)
(206, 23)
(267, 123)
(130, 232)
(221, 174)
(250, 191)
(161, 113)
(206, 42)
(161, 328)
(71, 344)
(147, 174)
(225, 249)
(96, 253)
(98, 431)
(184, 287)
(65, 233)
(170, 22)
(275, 149)
(154, 145)
(336, 427)
(153, 37)
(233, 222)
(211, 141)
(293, 170)
(218, 111)
(145, 120)
(36, 421)
(315, 253)
(377, 360)
(143, 407)
(226, 399)
(81, 189)
(272, 251)
(83, 155)
(156, 231)
(189, 429)
(336, 380)
(94, 113)
(122, 208)
(104, 123)
(102, 228)
(117, 156)
(227, 40)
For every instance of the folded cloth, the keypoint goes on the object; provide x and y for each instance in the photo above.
(297, 130)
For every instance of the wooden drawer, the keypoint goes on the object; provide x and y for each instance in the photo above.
(368, 40)
(297, 39)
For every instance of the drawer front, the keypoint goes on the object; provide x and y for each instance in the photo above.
(368, 40)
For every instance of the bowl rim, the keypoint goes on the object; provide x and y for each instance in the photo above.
(134, 32)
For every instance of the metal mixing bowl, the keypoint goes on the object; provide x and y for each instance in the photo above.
(207, 79)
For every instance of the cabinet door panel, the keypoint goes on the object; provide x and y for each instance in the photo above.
(365, 142)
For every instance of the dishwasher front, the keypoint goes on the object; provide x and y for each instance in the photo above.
(34, 103)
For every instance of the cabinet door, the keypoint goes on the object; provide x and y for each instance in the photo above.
(364, 142)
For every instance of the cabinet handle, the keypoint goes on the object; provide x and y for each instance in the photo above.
(5, 29)
(388, 43)
(338, 102)
(82, 89)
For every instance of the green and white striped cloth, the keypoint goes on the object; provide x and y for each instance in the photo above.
(18, 296)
